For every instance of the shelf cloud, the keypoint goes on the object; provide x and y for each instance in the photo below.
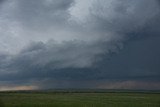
(55, 40)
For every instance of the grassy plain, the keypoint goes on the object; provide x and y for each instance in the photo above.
(79, 99)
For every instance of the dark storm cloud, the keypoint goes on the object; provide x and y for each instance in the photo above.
(138, 61)
(77, 41)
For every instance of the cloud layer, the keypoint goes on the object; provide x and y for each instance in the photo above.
(48, 38)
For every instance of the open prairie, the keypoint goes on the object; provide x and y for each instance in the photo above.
(79, 99)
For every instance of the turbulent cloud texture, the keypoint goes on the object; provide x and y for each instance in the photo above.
(50, 39)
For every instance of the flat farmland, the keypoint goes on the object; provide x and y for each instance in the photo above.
(79, 99)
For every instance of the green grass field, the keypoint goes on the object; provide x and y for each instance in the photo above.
(53, 99)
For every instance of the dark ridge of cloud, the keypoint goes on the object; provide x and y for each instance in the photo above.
(139, 60)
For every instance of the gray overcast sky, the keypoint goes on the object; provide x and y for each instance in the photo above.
(111, 44)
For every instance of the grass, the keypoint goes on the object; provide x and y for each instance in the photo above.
(73, 99)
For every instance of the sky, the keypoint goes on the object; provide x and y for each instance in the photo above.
(99, 44)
